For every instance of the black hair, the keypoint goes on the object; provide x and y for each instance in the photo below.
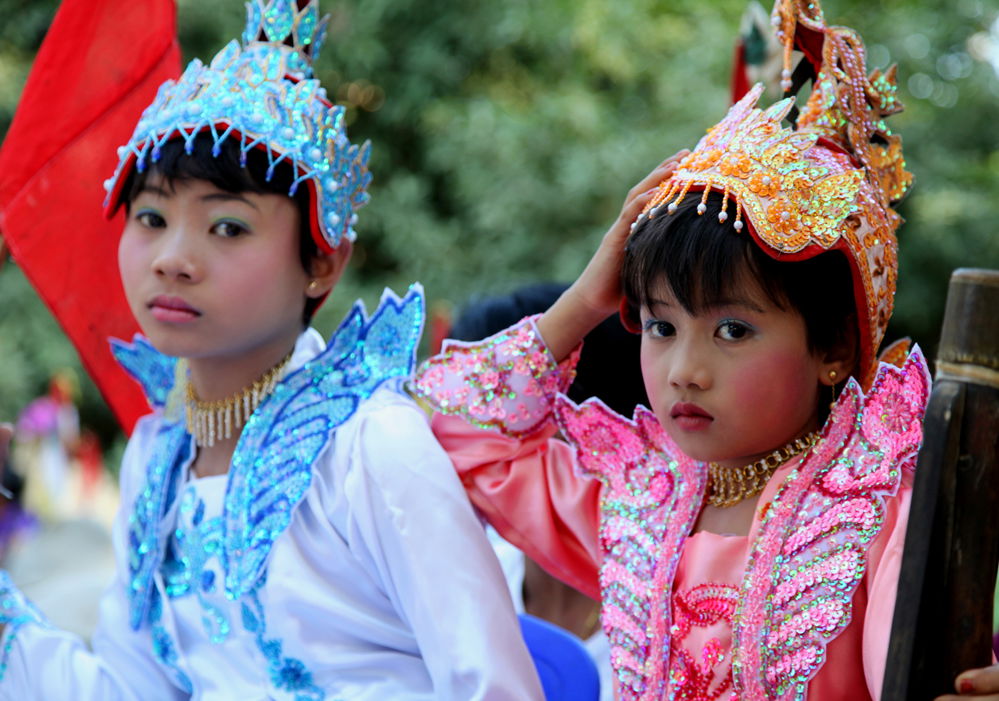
(229, 172)
(702, 262)
(609, 366)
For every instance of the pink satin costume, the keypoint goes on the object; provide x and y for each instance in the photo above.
(800, 608)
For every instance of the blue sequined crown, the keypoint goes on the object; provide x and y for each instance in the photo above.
(262, 92)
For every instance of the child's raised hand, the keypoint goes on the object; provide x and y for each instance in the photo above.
(976, 684)
(596, 294)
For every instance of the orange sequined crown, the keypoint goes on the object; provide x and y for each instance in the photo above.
(828, 184)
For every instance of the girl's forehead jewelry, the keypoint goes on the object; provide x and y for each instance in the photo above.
(829, 183)
(261, 94)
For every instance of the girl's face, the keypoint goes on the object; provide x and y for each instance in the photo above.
(735, 381)
(212, 274)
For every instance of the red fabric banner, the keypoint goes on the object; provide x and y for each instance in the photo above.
(100, 65)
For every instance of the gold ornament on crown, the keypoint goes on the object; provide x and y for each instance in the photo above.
(729, 486)
(211, 421)
(828, 183)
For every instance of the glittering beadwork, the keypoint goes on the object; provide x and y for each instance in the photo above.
(263, 94)
(192, 567)
(15, 612)
(710, 677)
(186, 569)
(272, 464)
(147, 366)
(164, 647)
(506, 381)
(801, 190)
(650, 499)
(145, 539)
(286, 673)
(811, 549)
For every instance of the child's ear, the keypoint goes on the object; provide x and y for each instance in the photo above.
(326, 269)
(840, 362)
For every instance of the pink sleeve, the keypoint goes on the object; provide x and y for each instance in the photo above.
(530, 491)
(508, 381)
(885, 563)
(494, 401)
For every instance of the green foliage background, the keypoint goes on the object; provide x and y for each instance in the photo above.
(505, 136)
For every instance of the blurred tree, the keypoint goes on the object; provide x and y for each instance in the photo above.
(505, 135)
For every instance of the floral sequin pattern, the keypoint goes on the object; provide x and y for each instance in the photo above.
(507, 382)
(191, 565)
(705, 674)
(652, 495)
(811, 552)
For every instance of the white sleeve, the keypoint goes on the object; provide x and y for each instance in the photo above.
(434, 559)
(40, 662)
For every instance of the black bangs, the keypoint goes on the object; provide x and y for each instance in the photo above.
(706, 263)
(226, 171)
(702, 261)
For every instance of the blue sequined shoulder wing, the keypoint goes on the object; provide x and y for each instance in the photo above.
(150, 368)
(272, 465)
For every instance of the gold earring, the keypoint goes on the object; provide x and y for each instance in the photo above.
(833, 375)
(313, 285)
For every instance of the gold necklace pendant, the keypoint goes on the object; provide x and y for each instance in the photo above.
(216, 420)
(729, 486)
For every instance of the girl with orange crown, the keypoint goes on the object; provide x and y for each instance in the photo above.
(745, 535)
(290, 529)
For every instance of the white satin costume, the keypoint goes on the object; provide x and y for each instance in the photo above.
(338, 559)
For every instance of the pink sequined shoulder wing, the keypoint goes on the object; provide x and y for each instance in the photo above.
(652, 494)
(506, 382)
(811, 550)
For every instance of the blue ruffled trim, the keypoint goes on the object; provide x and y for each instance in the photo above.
(272, 465)
(150, 368)
(145, 542)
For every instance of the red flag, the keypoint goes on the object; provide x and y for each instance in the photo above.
(98, 68)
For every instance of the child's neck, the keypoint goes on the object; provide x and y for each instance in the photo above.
(216, 378)
(220, 378)
(214, 460)
(729, 520)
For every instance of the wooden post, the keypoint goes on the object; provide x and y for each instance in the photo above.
(943, 613)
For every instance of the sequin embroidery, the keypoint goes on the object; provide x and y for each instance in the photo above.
(262, 94)
(710, 677)
(507, 381)
(187, 567)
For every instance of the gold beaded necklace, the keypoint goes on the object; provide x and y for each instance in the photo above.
(216, 420)
(729, 486)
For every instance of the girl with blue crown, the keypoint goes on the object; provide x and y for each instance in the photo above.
(290, 529)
